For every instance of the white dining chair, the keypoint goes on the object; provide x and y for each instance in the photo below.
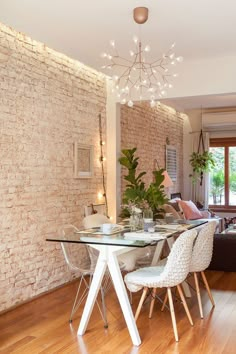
(81, 263)
(172, 274)
(201, 258)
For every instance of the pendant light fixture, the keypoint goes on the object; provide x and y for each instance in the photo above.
(136, 77)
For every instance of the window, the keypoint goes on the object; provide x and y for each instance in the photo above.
(171, 162)
(222, 184)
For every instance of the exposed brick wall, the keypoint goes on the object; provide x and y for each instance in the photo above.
(47, 102)
(147, 129)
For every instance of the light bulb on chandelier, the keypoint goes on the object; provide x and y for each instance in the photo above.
(137, 75)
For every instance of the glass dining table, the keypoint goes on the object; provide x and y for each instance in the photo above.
(109, 247)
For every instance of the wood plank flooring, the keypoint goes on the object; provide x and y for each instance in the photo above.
(41, 326)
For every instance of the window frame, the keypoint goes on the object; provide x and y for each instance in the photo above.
(226, 143)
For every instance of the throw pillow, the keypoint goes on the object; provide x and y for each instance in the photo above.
(190, 210)
(174, 204)
(169, 209)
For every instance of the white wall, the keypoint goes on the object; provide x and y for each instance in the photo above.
(112, 151)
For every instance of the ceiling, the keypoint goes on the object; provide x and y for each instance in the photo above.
(82, 29)
(196, 102)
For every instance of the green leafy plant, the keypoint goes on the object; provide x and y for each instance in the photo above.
(217, 186)
(201, 163)
(136, 193)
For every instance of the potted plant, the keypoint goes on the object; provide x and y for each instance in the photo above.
(201, 163)
(136, 193)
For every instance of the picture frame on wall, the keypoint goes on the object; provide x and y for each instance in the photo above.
(83, 160)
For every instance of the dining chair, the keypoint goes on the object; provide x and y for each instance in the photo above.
(169, 275)
(81, 263)
(201, 258)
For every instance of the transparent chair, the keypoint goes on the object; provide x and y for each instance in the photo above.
(80, 261)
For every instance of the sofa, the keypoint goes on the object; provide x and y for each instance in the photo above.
(174, 208)
(224, 252)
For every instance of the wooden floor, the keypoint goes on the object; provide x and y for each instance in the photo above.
(41, 326)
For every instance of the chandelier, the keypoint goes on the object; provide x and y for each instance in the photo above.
(137, 78)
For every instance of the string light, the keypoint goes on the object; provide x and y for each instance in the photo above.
(102, 159)
(100, 195)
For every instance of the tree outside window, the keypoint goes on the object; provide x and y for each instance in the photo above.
(222, 183)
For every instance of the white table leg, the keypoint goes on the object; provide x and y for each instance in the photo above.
(123, 297)
(157, 253)
(186, 288)
(170, 241)
(93, 291)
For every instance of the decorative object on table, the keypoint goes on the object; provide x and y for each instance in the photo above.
(83, 160)
(108, 228)
(201, 162)
(138, 77)
(148, 219)
(136, 219)
(136, 193)
(169, 218)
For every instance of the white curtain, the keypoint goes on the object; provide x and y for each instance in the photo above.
(200, 193)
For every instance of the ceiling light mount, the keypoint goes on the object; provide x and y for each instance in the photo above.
(140, 15)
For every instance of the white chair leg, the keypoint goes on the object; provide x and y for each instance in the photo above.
(198, 294)
(141, 303)
(172, 312)
(208, 288)
(154, 290)
(185, 304)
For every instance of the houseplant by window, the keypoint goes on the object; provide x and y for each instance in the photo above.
(201, 162)
(136, 192)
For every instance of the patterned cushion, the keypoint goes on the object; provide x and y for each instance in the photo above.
(169, 209)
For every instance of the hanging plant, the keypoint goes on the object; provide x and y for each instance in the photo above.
(201, 162)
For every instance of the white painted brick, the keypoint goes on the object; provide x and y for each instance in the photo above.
(147, 129)
(47, 102)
